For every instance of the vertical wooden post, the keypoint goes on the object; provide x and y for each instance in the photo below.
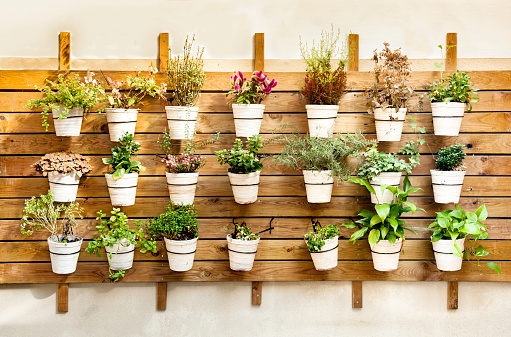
(257, 292)
(451, 54)
(353, 52)
(452, 295)
(259, 51)
(65, 51)
(163, 51)
(356, 294)
(62, 297)
(161, 296)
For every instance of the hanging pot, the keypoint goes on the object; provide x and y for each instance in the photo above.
(64, 255)
(181, 121)
(182, 187)
(447, 185)
(445, 259)
(244, 186)
(69, 126)
(389, 124)
(328, 255)
(386, 255)
(123, 190)
(64, 186)
(241, 253)
(120, 255)
(384, 178)
(121, 121)
(247, 119)
(181, 253)
(321, 119)
(318, 185)
(447, 117)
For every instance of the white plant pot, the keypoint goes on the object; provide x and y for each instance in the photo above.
(447, 185)
(181, 253)
(64, 186)
(69, 126)
(321, 119)
(247, 119)
(389, 124)
(123, 190)
(120, 255)
(318, 185)
(447, 117)
(182, 187)
(245, 186)
(327, 257)
(384, 178)
(182, 121)
(241, 253)
(64, 256)
(121, 121)
(445, 259)
(386, 255)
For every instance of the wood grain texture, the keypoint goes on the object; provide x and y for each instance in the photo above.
(259, 51)
(161, 296)
(163, 51)
(353, 45)
(257, 292)
(356, 294)
(452, 295)
(62, 297)
(64, 51)
(451, 54)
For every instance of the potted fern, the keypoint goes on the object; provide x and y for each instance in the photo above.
(122, 180)
(59, 220)
(64, 170)
(325, 83)
(242, 245)
(323, 244)
(248, 95)
(186, 77)
(447, 178)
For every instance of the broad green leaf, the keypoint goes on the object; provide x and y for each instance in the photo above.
(406, 184)
(358, 234)
(107, 161)
(443, 222)
(482, 213)
(493, 266)
(412, 206)
(119, 173)
(384, 230)
(364, 183)
(471, 228)
(455, 249)
(134, 163)
(375, 220)
(349, 225)
(382, 210)
(374, 237)
(393, 223)
(454, 236)
(365, 213)
(392, 238)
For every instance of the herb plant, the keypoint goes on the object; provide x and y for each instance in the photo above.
(457, 224)
(121, 157)
(316, 238)
(178, 222)
(63, 162)
(252, 91)
(243, 232)
(70, 93)
(450, 158)
(242, 159)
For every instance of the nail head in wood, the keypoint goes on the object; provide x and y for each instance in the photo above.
(257, 291)
(161, 296)
(62, 297)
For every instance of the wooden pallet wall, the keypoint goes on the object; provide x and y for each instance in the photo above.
(282, 255)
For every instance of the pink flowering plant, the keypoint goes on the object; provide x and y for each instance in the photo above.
(252, 91)
(63, 162)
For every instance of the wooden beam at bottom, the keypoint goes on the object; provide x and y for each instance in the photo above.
(161, 296)
(62, 297)
(356, 294)
(452, 295)
(257, 291)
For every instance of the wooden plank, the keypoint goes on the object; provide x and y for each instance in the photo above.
(62, 297)
(163, 52)
(275, 271)
(451, 54)
(452, 295)
(353, 44)
(161, 296)
(257, 292)
(64, 51)
(356, 294)
(259, 52)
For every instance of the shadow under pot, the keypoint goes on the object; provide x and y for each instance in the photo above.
(121, 121)
(447, 185)
(318, 185)
(64, 255)
(69, 126)
(389, 124)
(247, 119)
(327, 256)
(444, 258)
(64, 186)
(123, 190)
(321, 120)
(244, 186)
(241, 253)
(181, 253)
(181, 121)
(447, 117)
(384, 178)
(386, 255)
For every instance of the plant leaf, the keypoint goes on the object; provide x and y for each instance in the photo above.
(374, 237)
(494, 266)
(382, 210)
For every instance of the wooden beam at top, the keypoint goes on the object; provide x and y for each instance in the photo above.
(163, 52)
(259, 51)
(65, 51)
(353, 45)
(451, 54)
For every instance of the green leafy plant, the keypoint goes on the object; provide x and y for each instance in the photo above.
(316, 238)
(252, 91)
(243, 232)
(58, 218)
(457, 224)
(450, 158)
(242, 159)
(63, 162)
(178, 222)
(386, 223)
(325, 84)
(121, 157)
(68, 92)
(186, 75)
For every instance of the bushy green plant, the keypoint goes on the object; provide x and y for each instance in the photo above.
(457, 224)
(316, 238)
(121, 157)
(70, 93)
(178, 222)
(252, 91)
(454, 88)
(386, 223)
(63, 162)
(186, 75)
(450, 158)
(242, 159)
(58, 218)
(319, 154)
(243, 232)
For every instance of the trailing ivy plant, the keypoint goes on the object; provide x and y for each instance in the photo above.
(243, 232)
(316, 238)
(121, 157)
(178, 222)
(450, 158)
(242, 159)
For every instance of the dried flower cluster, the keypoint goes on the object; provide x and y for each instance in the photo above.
(63, 162)
(252, 91)
(183, 163)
